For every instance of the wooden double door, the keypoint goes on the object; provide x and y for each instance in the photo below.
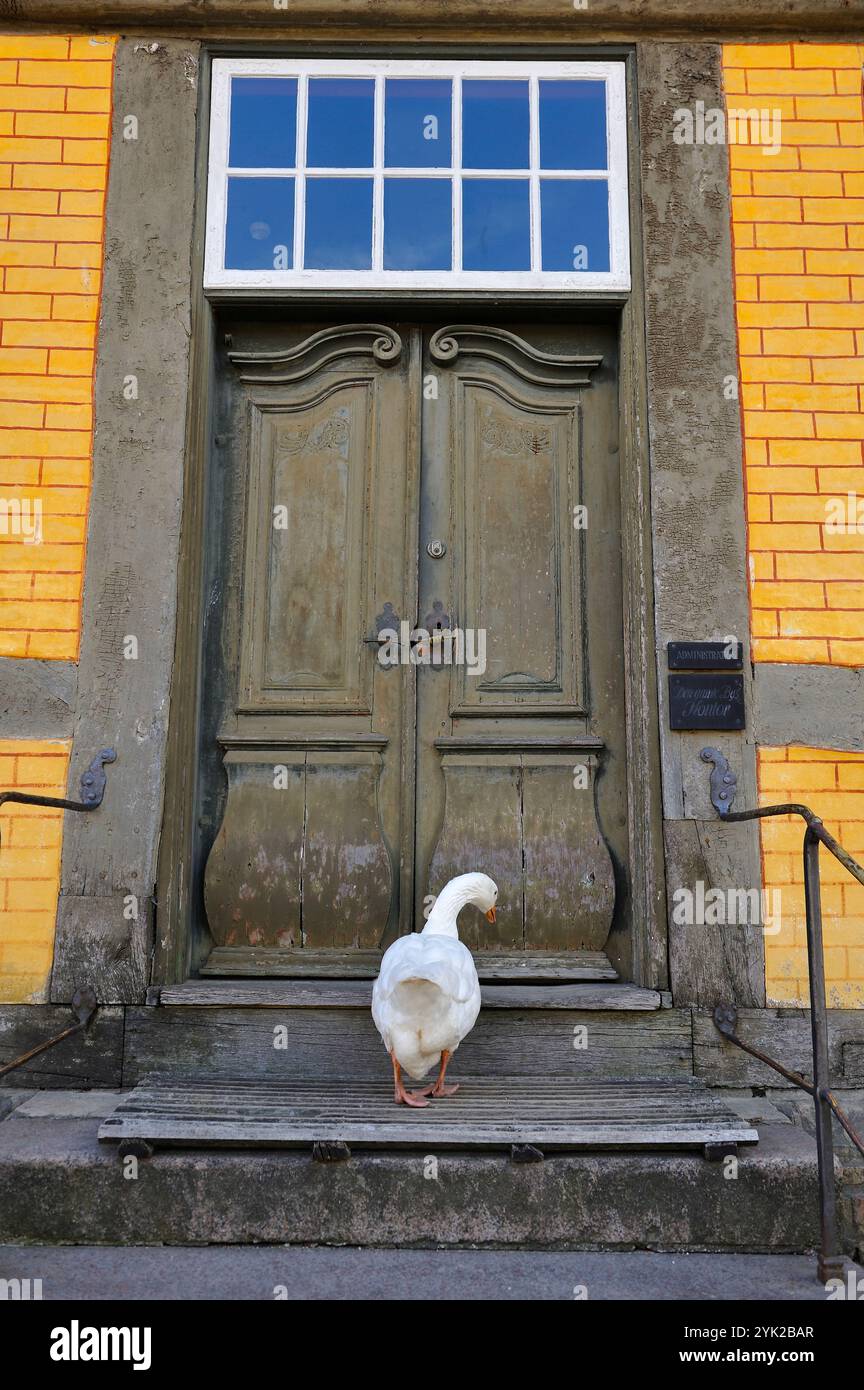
(413, 643)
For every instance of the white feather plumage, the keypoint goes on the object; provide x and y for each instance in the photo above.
(427, 995)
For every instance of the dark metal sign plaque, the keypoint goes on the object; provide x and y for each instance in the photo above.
(704, 656)
(706, 702)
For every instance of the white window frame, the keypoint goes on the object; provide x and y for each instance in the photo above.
(617, 278)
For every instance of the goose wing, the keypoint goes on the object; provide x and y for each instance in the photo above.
(409, 967)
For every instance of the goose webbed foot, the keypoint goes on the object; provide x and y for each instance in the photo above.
(400, 1094)
(438, 1088)
(413, 1098)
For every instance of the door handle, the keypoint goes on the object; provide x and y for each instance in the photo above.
(437, 627)
(437, 619)
(387, 620)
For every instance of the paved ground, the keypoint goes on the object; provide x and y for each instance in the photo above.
(312, 1273)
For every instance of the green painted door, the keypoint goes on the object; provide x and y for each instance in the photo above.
(417, 643)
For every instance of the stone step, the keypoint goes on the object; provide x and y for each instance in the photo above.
(58, 1185)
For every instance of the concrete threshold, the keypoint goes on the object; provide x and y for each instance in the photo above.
(309, 1273)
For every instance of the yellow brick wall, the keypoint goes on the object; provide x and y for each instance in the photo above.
(833, 784)
(798, 235)
(55, 104)
(798, 229)
(30, 839)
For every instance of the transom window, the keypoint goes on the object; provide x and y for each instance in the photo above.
(417, 174)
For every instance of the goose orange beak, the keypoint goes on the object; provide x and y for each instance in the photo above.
(490, 915)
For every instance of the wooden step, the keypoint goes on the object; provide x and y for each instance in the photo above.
(535, 967)
(487, 1113)
(357, 994)
(227, 1041)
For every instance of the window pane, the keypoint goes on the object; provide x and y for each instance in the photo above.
(494, 125)
(495, 224)
(341, 120)
(573, 125)
(574, 216)
(259, 231)
(263, 123)
(416, 123)
(338, 224)
(417, 224)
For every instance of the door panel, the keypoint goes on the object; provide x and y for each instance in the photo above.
(353, 448)
(519, 766)
(482, 830)
(569, 879)
(512, 487)
(307, 579)
(314, 832)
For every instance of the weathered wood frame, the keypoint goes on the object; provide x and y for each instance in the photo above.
(175, 956)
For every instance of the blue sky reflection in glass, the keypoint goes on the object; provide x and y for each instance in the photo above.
(496, 224)
(417, 123)
(574, 217)
(495, 125)
(338, 224)
(259, 231)
(341, 125)
(331, 173)
(418, 224)
(572, 125)
(263, 123)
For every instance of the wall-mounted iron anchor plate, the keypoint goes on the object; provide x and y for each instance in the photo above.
(724, 783)
(93, 780)
(725, 1018)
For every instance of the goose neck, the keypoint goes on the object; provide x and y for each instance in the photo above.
(448, 905)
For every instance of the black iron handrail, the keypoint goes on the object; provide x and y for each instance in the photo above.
(92, 788)
(83, 1007)
(830, 1262)
(92, 791)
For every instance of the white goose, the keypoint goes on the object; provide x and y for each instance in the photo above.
(427, 996)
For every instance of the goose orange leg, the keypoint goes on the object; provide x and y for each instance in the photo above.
(400, 1095)
(439, 1089)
